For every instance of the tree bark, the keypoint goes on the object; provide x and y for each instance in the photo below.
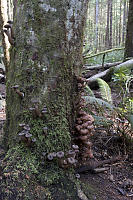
(5, 10)
(42, 92)
(110, 28)
(96, 22)
(129, 35)
(124, 23)
(107, 26)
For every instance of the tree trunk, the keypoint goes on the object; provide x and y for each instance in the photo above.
(124, 23)
(5, 15)
(129, 34)
(110, 28)
(42, 93)
(120, 30)
(107, 27)
(96, 22)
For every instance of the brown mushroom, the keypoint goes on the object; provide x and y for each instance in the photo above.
(90, 127)
(71, 160)
(50, 156)
(79, 121)
(71, 153)
(60, 154)
(88, 143)
(37, 111)
(81, 112)
(83, 137)
(21, 94)
(75, 147)
(87, 117)
(84, 131)
(78, 127)
(63, 163)
(10, 39)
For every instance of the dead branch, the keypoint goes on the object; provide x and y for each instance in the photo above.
(93, 164)
(107, 74)
(106, 66)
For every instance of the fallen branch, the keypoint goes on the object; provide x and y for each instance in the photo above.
(106, 66)
(128, 64)
(93, 164)
(107, 74)
(99, 170)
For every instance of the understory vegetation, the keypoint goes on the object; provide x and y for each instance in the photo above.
(112, 106)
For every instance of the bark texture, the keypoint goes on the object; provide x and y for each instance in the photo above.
(41, 96)
(45, 60)
(129, 34)
(5, 15)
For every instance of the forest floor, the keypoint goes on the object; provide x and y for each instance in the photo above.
(115, 182)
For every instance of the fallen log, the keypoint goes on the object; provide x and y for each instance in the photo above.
(128, 64)
(107, 74)
(106, 66)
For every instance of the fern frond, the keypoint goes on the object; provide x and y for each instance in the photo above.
(130, 117)
(89, 91)
(100, 102)
(105, 90)
(98, 120)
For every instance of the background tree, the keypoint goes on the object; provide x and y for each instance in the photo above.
(111, 26)
(96, 21)
(129, 34)
(42, 97)
(107, 27)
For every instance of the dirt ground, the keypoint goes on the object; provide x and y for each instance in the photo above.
(115, 182)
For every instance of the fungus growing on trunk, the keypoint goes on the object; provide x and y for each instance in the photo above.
(21, 94)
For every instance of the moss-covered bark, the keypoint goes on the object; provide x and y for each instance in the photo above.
(41, 97)
(44, 63)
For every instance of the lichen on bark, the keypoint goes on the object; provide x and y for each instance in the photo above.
(45, 61)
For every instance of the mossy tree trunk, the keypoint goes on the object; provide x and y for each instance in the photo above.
(42, 91)
(129, 35)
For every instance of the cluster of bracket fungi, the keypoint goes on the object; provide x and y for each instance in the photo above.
(16, 89)
(84, 125)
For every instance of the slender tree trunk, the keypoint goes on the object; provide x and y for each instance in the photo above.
(120, 23)
(42, 97)
(107, 26)
(124, 22)
(4, 17)
(110, 28)
(96, 22)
